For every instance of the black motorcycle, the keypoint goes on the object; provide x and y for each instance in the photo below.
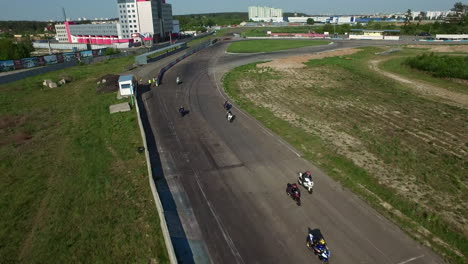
(227, 106)
(183, 112)
(294, 193)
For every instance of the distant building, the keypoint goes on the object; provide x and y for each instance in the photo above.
(145, 16)
(102, 33)
(175, 26)
(324, 19)
(264, 13)
(136, 18)
(431, 15)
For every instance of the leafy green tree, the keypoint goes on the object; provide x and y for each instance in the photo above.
(408, 15)
(7, 49)
(460, 9)
(210, 22)
(328, 28)
(310, 21)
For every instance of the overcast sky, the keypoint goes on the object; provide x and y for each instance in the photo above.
(51, 9)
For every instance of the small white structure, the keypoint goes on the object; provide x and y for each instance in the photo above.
(126, 85)
(454, 37)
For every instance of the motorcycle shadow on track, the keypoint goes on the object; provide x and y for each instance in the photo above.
(180, 241)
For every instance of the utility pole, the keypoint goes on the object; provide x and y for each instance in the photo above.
(50, 51)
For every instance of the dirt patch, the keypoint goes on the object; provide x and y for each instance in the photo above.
(110, 85)
(8, 121)
(298, 61)
(20, 138)
(460, 81)
(425, 89)
(442, 48)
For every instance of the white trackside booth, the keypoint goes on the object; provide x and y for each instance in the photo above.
(126, 85)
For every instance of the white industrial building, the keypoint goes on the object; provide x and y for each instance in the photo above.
(322, 19)
(137, 18)
(431, 15)
(264, 13)
(145, 17)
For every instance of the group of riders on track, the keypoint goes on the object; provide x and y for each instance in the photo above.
(315, 243)
(227, 106)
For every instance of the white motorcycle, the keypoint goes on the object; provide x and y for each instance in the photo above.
(306, 182)
(230, 117)
(178, 81)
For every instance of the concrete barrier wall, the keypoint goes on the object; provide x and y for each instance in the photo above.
(157, 199)
(392, 38)
(363, 37)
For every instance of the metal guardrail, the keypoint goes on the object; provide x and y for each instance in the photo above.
(188, 53)
(143, 58)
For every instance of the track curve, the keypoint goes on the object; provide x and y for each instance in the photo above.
(228, 179)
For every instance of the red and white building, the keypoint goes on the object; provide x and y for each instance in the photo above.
(138, 20)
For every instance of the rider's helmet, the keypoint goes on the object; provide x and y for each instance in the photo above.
(294, 185)
(307, 173)
(322, 241)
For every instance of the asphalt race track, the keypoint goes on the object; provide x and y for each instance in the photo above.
(223, 184)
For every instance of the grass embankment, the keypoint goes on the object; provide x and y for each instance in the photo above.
(440, 66)
(269, 45)
(401, 152)
(74, 188)
(397, 64)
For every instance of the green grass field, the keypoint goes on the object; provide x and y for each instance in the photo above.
(74, 188)
(268, 45)
(398, 150)
(396, 65)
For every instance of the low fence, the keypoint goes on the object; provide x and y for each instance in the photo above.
(369, 37)
(37, 61)
(291, 37)
(70, 46)
(15, 76)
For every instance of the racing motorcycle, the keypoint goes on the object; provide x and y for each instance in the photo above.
(178, 81)
(230, 116)
(321, 251)
(295, 195)
(306, 182)
(227, 106)
(183, 112)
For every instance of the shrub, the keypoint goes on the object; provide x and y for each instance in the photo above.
(440, 66)
(111, 51)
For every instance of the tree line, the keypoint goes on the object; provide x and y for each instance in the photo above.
(23, 27)
(455, 23)
(199, 21)
(10, 50)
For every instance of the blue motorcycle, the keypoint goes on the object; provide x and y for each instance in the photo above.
(321, 251)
